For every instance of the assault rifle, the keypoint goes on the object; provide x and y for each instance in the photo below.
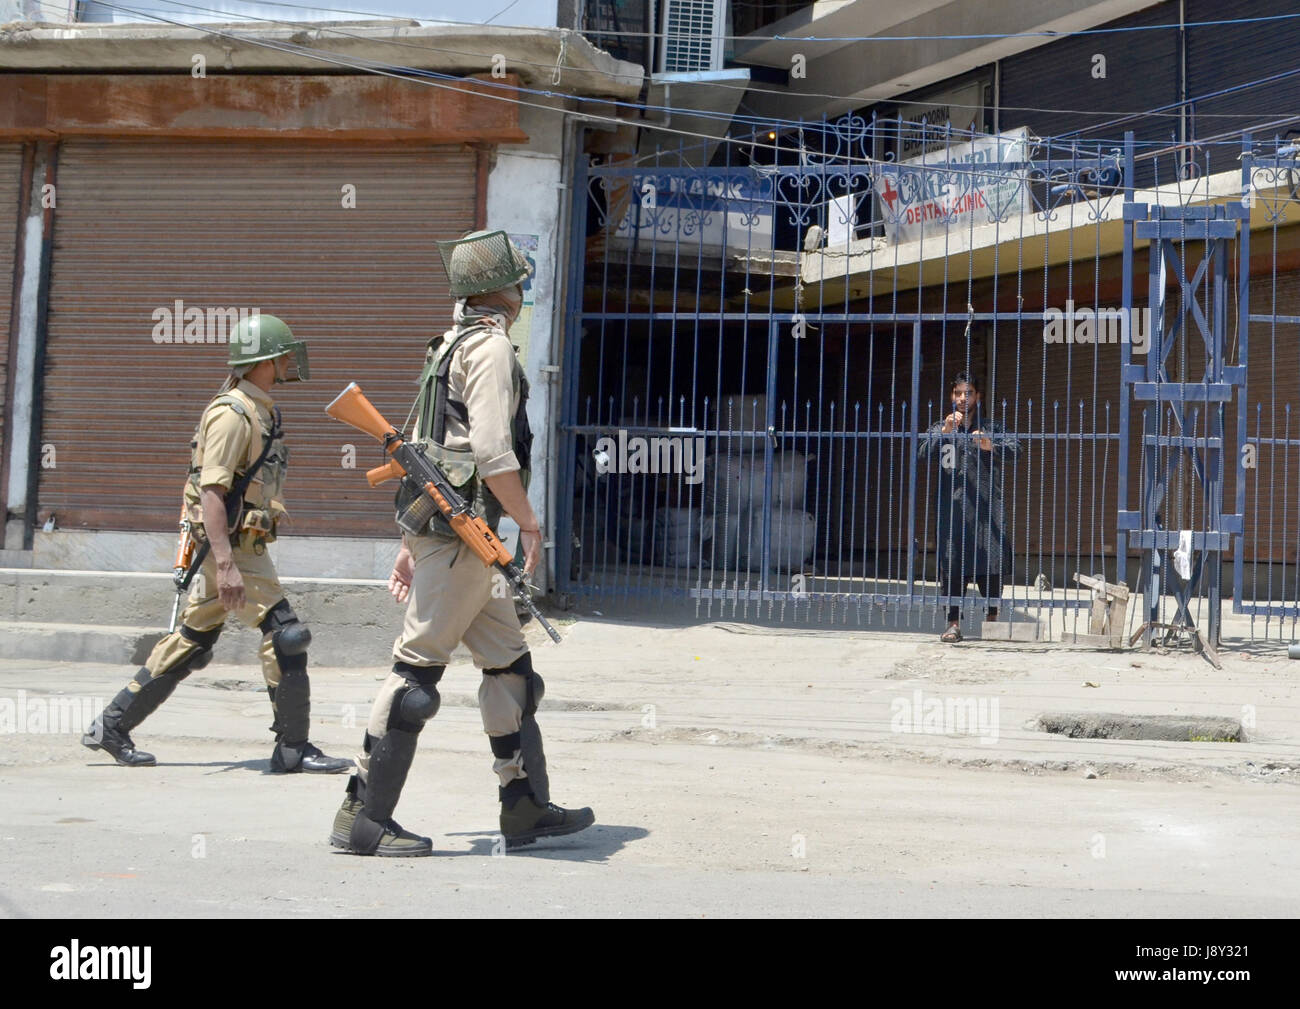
(433, 492)
(181, 566)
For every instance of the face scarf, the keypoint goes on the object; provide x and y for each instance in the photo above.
(466, 315)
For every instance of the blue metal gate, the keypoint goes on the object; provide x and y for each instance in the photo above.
(1266, 544)
(760, 354)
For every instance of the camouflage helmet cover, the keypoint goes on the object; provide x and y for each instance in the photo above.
(482, 262)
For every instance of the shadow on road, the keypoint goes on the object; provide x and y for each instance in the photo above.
(222, 766)
(595, 844)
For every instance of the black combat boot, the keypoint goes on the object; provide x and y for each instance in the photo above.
(292, 759)
(365, 825)
(394, 841)
(111, 731)
(524, 819)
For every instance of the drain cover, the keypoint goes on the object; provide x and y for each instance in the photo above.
(1175, 728)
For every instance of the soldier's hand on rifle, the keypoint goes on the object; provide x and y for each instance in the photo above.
(230, 585)
(531, 539)
(399, 582)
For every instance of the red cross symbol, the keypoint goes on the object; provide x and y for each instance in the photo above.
(889, 194)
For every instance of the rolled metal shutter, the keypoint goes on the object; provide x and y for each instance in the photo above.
(1066, 484)
(1141, 74)
(1272, 405)
(266, 225)
(11, 171)
(1223, 56)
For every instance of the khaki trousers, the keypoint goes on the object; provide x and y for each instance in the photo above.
(204, 612)
(455, 598)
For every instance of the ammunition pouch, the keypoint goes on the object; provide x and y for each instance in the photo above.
(414, 507)
(257, 525)
(417, 513)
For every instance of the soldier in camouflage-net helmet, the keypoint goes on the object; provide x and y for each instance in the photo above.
(239, 436)
(471, 418)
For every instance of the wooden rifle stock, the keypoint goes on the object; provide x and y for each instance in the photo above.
(391, 470)
(185, 547)
(352, 408)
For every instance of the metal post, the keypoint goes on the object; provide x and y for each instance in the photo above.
(1215, 468)
(769, 439)
(1152, 480)
(1243, 342)
(1126, 359)
(569, 371)
(913, 449)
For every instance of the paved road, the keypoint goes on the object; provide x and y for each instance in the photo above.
(733, 772)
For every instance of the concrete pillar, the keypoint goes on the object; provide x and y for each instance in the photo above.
(27, 332)
(525, 197)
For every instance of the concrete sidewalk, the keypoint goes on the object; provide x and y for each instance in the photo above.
(863, 693)
(115, 617)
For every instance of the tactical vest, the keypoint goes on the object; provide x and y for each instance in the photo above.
(433, 406)
(264, 497)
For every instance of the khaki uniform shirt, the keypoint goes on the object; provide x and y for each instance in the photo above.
(229, 444)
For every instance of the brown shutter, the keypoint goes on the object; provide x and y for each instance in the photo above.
(1066, 485)
(1272, 515)
(11, 175)
(223, 224)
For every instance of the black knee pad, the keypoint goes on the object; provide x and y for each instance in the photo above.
(291, 700)
(417, 701)
(413, 706)
(290, 637)
(523, 666)
(528, 740)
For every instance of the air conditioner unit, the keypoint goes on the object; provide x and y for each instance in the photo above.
(692, 35)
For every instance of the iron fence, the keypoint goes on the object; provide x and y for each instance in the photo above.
(761, 356)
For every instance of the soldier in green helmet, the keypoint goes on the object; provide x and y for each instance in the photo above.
(239, 441)
(471, 417)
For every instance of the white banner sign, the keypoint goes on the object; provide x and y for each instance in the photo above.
(918, 201)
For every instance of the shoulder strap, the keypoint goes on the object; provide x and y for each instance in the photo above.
(442, 391)
(234, 499)
(435, 382)
(235, 496)
(243, 406)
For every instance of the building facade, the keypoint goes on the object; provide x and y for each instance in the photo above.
(158, 180)
(768, 295)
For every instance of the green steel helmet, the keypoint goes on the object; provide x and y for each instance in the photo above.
(261, 337)
(483, 262)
